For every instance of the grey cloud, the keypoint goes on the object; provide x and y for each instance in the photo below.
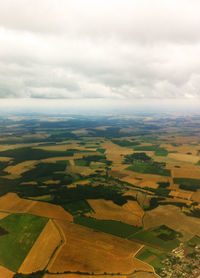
(111, 50)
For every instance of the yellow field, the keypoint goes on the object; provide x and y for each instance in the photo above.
(114, 152)
(172, 217)
(184, 157)
(86, 250)
(3, 215)
(42, 250)
(18, 169)
(12, 203)
(196, 196)
(82, 276)
(5, 273)
(130, 213)
(15, 146)
(147, 183)
(2, 158)
(51, 182)
(186, 195)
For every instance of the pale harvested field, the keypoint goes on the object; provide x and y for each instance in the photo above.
(182, 194)
(80, 131)
(144, 275)
(80, 170)
(54, 159)
(147, 183)
(51, 182)
(114, 152)
(42, 250)
(130, 193)
(130, 213)
(196, 196)
(172, 217)
(29, 182)
(184, 157)
(186, 170)
(3, 158)
(18, 169)
(3, 214)
(71, 161)
(90, 251)
(80, 276)
(184, 149)
(53, 148)
(12, 203)
(15, 146)
(5, 273)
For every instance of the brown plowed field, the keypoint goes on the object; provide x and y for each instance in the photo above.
(130, 213)
(12, 203)
(5, 273)
(86, 250)
(42, 250)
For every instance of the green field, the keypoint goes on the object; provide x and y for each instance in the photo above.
(107, 226)
(188, 184)
(146, 148)
(161, 236)
(23, 230)
(77, 207)
(148, 168)
(161, 152)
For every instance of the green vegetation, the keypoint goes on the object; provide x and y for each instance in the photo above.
(27, 153)
(143, 163)
(134, 157)
(125, 143)
(188, 184)
(44, 171)
(107, 226)
(78, 207)
(23, 230)
(161, 152)
(162, 237)
(149, 168)
(146, 148)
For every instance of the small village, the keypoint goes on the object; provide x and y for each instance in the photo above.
(180, 264)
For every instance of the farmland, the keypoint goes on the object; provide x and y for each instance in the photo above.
(82, 195)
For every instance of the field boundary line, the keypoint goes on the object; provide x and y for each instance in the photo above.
(59, 247)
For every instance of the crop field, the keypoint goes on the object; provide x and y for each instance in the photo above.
(172, 217)
(112, 227)
(22, 230)
(42, 250)
(13, 204)
(18, 169)
(90, 251)
(161, 236)
(5, 273)
(106, 188)
(130, 213)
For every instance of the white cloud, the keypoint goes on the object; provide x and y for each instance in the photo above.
(132, 49)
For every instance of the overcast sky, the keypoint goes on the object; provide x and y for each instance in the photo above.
(80, 52)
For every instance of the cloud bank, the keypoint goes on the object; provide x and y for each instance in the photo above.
(120, 50)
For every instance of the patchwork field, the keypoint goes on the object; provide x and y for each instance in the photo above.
(172, 217)
(5, 273)
(23, 230)
(89, 251)
(13, 204)
(95, 191)
(43, 249)
(130, 213)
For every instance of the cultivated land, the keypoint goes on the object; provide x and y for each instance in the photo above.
(102, 195)
(90, 251)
